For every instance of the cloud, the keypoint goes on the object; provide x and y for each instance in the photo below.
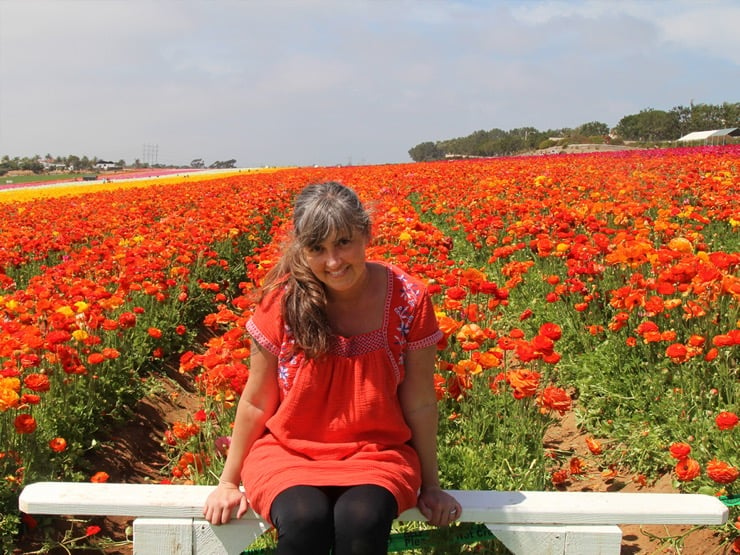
(325, 81)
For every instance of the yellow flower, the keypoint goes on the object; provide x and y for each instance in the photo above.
(80, 335)
(66, 311)
(81, 306)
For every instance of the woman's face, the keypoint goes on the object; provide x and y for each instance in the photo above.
(339, 263)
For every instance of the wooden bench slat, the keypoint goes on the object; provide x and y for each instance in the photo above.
(495, 507)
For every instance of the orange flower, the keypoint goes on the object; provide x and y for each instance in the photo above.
(156, 333)
(726, 420)
(559, 476)
(680, 450)
(100, 477)
(523, 382)
(594, 446)
(721, 472)
(58, 444)
(687, 469)
(95, 358)
(577, 466)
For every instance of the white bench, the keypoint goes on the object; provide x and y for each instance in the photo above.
(168, 518)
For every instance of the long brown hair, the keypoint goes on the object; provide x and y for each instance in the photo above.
(320, 210)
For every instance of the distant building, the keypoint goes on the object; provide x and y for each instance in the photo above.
(714, 137)
(103, 165)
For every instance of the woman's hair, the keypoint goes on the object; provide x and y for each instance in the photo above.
(320, 210)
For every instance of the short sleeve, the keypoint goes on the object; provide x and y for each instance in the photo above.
(266, 325)
(424, 330)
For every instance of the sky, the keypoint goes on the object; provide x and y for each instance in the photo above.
(325, 82)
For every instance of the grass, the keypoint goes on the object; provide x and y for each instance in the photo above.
(38, 178)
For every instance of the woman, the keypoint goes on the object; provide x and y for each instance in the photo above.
(335, 431)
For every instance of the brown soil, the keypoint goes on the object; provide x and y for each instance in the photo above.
(648, 539)
(134, 454)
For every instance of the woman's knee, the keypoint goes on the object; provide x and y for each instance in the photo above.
(365, 510)
(303, 515)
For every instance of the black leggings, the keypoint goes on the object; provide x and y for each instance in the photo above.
(350, 520)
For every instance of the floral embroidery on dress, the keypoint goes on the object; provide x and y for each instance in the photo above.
(410, 293)
(289, 362)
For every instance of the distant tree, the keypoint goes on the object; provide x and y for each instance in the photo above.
(650, 125)
(121, 163)
(73, 162)
(426, 152)
(197, 163)
(592, 129)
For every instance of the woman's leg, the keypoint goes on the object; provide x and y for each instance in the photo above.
(362, 520)
(303, 518)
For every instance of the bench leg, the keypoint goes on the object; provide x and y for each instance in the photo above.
(226, 540)
(165, 536)
(561, 540)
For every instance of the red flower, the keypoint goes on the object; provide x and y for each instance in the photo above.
(551, 330)
(127, 320)
(100, 477)
(156, 333)
(37, 382)
(92, 530)
(726, 420)
(555, 398)
(677, 352)
(24, 424)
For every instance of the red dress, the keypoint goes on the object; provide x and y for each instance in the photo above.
(339, 422)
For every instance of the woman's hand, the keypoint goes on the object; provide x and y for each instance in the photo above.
(221, 502)
(438, 506)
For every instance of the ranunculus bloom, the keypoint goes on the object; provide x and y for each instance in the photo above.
(559, 476)
(95, 358)
(687, 469)
(680, 450)
(594, 446)
(92, 530)
(553, 331)
(58, 444)
(37, 382)
(24, 424)
(100, 477)
(726, 420)
(555, 398)
(127, 320)
(156, 333)
(721, 472)
(677, 352)
(524, 382)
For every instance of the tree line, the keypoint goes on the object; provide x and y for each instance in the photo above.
(648, 126)
(74, 163)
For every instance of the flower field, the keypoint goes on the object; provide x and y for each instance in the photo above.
(606, 284)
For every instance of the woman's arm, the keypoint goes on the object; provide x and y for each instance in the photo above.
(257, 404)
(419, 403)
